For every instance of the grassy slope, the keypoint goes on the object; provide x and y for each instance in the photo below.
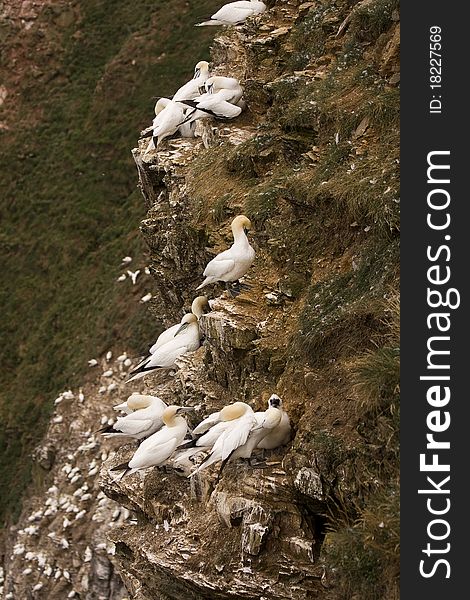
(69, 207)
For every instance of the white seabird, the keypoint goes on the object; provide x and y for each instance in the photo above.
(198, 308)
(186, 339)
(234, 13)
(145, 419)
(157, 448)
(169, 115)
(211, 428)
(229, 266)
(222, 99)
(192, 88)
(240, 441)
(280, 435)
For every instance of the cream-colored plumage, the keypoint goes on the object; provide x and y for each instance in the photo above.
(211, 428)
(157, 448)
(281, 434)
(191, 89)
(145, 418)
(198, 307)
(234, 13)
(186, 339)
(240, 441)
(232, 264)
(223, 99)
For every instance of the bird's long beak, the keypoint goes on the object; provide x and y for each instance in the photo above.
(197, 72)
(180, 329)
(246, 230)
(202, 90)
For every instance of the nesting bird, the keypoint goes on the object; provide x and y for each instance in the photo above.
(229, 266)
(281, 434)
(192, 88)
(145, 418)
(186, 339)
(157, 448)
(240, 440)
(198, 308)
(222, 99)
(234, 13)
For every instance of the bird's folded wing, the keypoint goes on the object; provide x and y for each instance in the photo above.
(132, 426)
(165, 337)
(207, 423)
(218, 268)
(154, 457)
(237, 437)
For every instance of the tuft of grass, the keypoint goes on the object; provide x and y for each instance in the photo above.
(365, 553)
(378, 379)
(343, 313)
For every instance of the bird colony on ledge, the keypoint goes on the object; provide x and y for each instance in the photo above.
(236, 431)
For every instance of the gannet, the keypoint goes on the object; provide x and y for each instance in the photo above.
(198, 308)
(235, 12)
(145, 419)
(233, 263)
(169, 115)
(240, 441)
(210, 429)
(126, 260)
(186, 339)
(146, 298)
(157, 448)
(191, 89)
(280, 435)
(221, 99)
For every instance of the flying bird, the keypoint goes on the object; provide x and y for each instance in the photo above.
(146, 418)
(133, 275)
(186, 339)
(157, 448)
(198, 307)
(234, 13)
(229, 266)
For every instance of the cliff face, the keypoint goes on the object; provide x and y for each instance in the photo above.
(313, 162)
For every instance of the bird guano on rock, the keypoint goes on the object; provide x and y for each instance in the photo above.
(157, 448)
(229, 266)
(234, 13)
(186, 339)
(198, 307)
(144, 419)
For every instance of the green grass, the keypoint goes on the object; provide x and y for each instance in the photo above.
(70, 209)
